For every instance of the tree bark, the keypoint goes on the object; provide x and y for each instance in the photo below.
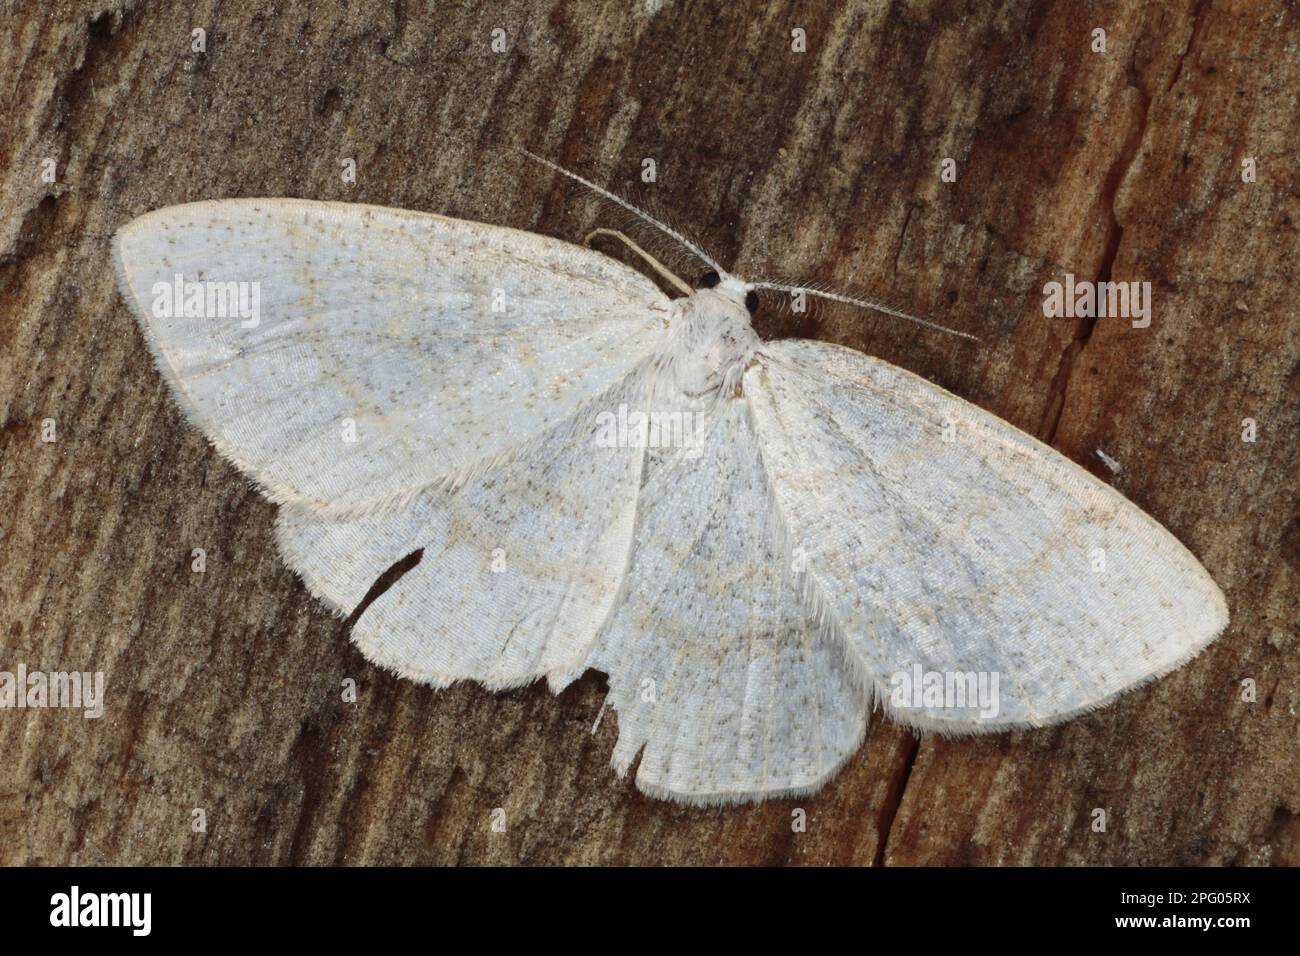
(223, 688)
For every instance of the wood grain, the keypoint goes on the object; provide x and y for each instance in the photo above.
(223, 688)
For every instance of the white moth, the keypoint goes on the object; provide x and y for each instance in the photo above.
(819, 533)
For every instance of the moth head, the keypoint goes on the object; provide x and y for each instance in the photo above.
(731, 287)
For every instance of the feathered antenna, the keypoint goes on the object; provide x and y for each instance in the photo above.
(861, 303)
(777, 287)
(663, 227)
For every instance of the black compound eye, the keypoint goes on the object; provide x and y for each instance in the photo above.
(751, 301)
(709, 279)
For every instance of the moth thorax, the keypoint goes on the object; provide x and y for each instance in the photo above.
(710, 343)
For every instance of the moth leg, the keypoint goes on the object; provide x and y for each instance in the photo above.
(658, 267)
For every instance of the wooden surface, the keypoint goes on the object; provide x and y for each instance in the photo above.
(223, 688)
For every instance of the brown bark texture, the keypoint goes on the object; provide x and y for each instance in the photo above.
(223, 688)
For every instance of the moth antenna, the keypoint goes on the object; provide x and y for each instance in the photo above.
(861, 303)
(612, 197)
